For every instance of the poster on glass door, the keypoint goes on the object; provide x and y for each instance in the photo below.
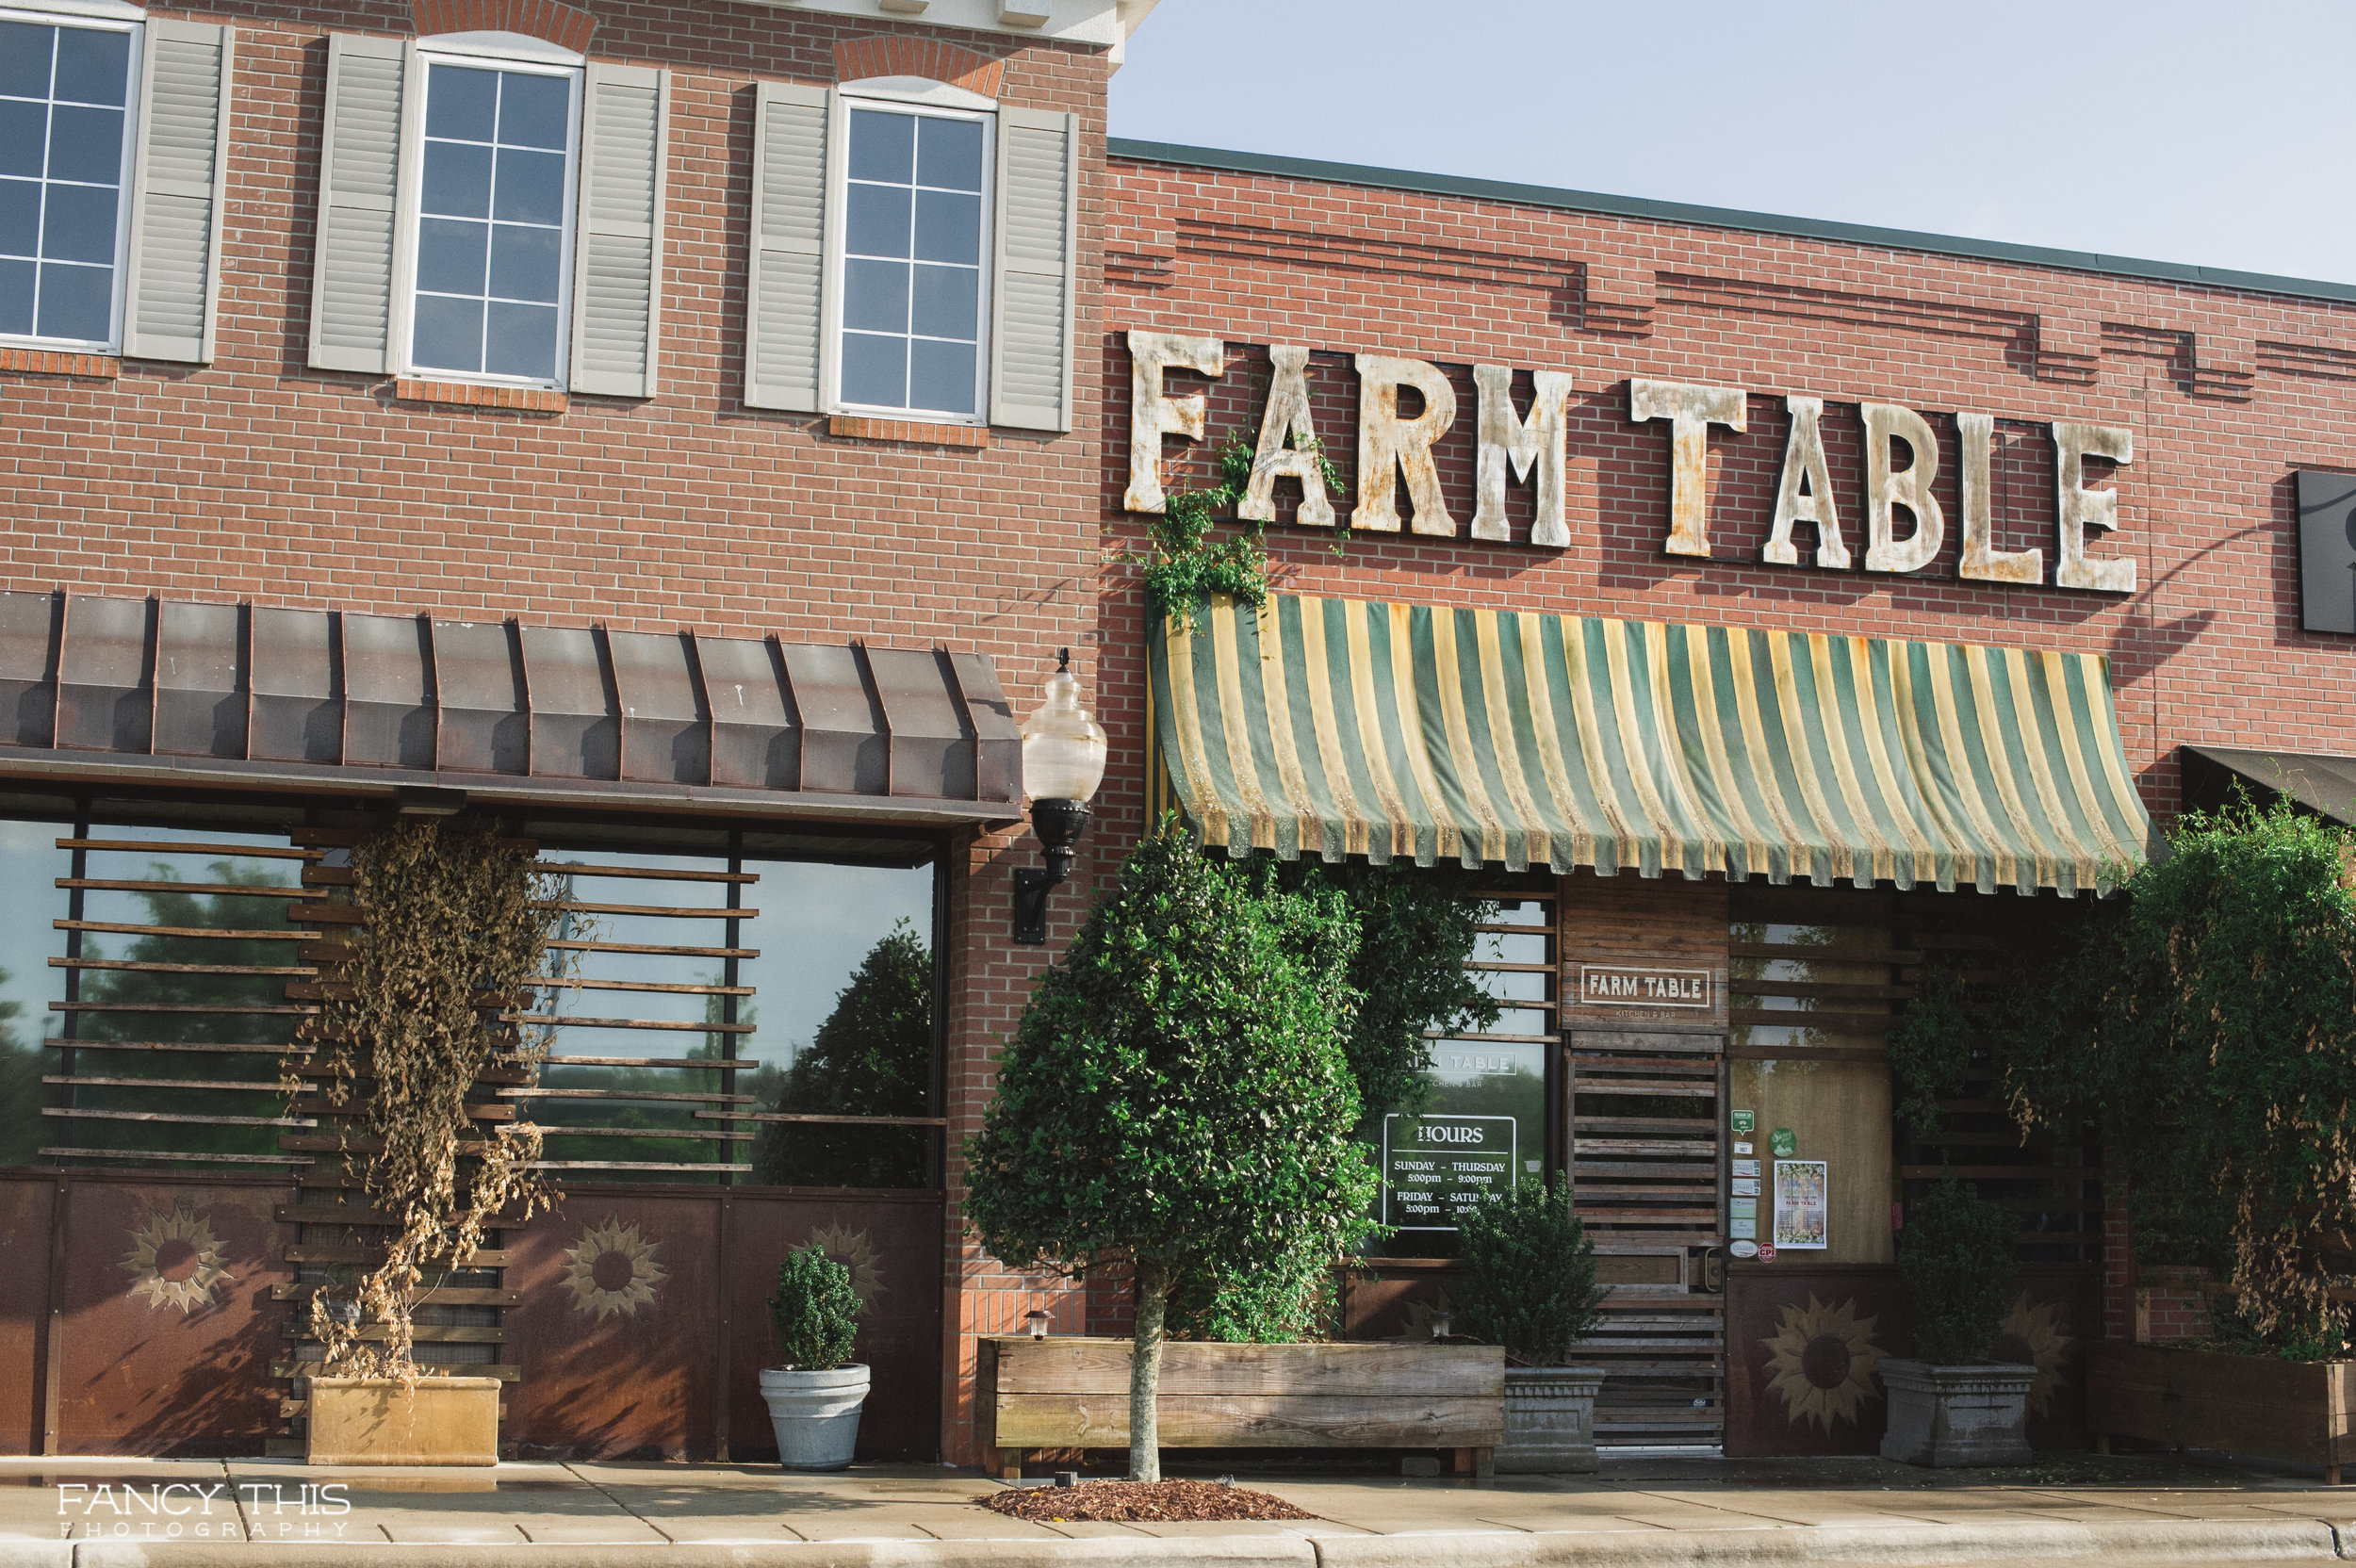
(1800, 1204)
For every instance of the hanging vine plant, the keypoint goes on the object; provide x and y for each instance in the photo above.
(436, 993)
(1184, 567)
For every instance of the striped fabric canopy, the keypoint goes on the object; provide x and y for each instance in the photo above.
(1337, 728)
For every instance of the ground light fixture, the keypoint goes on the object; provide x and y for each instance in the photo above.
(1063, 761)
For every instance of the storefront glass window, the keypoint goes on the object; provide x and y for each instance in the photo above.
(31, 865)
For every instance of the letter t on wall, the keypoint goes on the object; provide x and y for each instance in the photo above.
(1152, 415)
(1691, 411)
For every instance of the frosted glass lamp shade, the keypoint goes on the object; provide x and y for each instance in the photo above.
(1063, 748)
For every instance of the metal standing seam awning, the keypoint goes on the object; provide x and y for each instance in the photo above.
(1335, 727)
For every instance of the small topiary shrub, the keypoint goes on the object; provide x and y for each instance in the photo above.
(814, 1310)
(1955, 1257)
(1530, 1270)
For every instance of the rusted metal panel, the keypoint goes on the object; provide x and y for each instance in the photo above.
(575, 724)
(169, 1326)
(755, 736)
(1391, 448)
(997, 738)
(26, 1202)
(106, 698)
(388, 684)
(31, 626)
(845, 743)
(485, 706)
(297, 679)
(666, 736)
(932, 754)
(892, 1247)
(200, 679)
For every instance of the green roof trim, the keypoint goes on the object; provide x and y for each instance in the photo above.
(1725, 218)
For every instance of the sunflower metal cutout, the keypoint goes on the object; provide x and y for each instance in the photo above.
(2035, 1336)
(174, 1260)
(1824, 1360)
(611, 1270)
(852, 1249)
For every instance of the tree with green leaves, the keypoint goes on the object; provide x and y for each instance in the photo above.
(1176, 1096)
(870, 1057)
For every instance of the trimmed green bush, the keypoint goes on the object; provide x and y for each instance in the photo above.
(1530, 1275)
(1955, 1257)
(814, 1311)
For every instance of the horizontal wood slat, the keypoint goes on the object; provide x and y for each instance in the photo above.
(1254, 1421)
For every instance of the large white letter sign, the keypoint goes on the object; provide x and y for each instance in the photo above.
(1803, 462)
(2081, 509)
(1153, 415)
(1691, 411)
(1510, 447)
(1388, 444)
(1287, 415)
(1910, 487)
(1982, 561)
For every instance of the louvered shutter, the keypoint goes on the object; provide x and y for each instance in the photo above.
(1030, 330)
(793, 134)
(172, 280)
(617, 256)
(352, 267)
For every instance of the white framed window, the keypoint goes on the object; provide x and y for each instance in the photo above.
(488, 221)
(68, 91)
(913, 252)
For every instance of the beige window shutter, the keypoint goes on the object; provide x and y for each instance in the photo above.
(784, 335)
(617, 251)
(351, 263)
(1033, 297)
(172, 284)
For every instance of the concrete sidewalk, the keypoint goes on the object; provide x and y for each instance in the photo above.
(1642, 1512)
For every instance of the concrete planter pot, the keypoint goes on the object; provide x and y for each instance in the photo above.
(815, 1414)
(1949, 1415)
(1549, 1420)
(376, 1421)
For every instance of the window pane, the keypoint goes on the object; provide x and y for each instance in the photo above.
(948, 227)
(79, 224)
(91, 65)
(883, 146)
(450, 333)
(874, 369)
(22, 128)
(875, 296)
(534, 111)
(450, 255)
(524, 263)
(75, 301)
(949, 153)
(530, 188)
(86, 144)
(16, 297)
(25, 58)
(523, 341)
(31, 864)
(878, 221)
(20, 217)
(457, 180)
(941, 376)
(462, 103)
(947, 301)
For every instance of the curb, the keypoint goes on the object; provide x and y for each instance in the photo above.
(2145, 1543)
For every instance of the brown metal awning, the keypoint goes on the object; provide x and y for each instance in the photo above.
(227, 694)
(2323, 784)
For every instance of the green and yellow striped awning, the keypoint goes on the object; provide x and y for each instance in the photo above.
(1335, 727)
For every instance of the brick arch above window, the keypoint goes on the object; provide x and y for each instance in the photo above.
(567, 26)
(863, 58)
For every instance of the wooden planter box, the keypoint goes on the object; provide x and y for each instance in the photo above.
(1061, 1393)
(2286, 1410)
(373, 1421)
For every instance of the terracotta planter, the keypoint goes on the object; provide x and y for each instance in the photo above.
(1950, 1415)
(2288, 1410)
(375, 1421)
(1549, 1420)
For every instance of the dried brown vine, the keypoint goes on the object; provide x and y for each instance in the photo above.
(439, 989)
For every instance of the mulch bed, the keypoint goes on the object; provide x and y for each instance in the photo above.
(1123, 1502)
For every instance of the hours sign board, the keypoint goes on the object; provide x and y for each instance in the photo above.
(1434, 1167)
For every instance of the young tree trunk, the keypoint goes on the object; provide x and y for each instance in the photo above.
(1145, 1372)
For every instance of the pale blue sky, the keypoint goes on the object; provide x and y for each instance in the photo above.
(2202, 132)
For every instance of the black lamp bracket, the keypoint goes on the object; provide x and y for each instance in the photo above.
(1059, 824)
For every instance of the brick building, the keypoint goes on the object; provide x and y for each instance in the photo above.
(687, 434)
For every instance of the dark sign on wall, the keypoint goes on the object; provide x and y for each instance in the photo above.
(2327, 551)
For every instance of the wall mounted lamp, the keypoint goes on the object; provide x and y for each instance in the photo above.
(1063, 761)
